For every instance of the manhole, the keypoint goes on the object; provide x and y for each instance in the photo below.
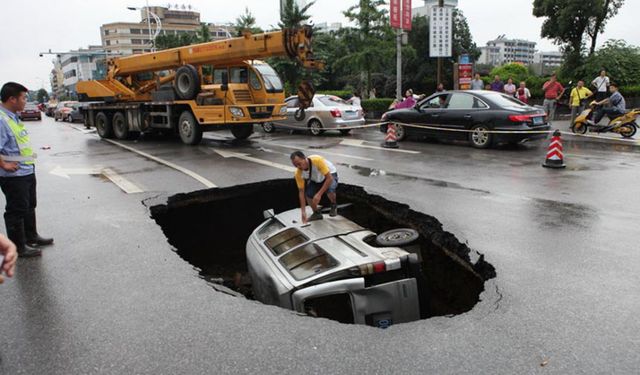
(210, 228)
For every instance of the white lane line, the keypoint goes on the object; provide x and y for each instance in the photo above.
(319, 151)
(124, 184)
(360, 143)
(169, 164)
(229, 154)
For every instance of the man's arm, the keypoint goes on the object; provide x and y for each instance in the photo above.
(328, 180)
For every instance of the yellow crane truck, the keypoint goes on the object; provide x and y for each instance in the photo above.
(197, 88)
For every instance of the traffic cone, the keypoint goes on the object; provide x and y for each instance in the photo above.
(555, 157)
(390, 140)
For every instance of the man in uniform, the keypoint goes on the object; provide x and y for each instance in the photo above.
(17, 174)
(314, 176)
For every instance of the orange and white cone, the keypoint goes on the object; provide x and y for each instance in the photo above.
(555, 156)
(390, 140)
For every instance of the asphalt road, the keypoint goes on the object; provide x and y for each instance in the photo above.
(111, 296)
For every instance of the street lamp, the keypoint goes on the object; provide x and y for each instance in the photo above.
(158, 22)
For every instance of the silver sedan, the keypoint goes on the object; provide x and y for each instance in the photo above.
(327, 112)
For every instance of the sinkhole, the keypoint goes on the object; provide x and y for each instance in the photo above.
(210, 228)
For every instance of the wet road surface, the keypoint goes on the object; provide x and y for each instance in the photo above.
(112, 297)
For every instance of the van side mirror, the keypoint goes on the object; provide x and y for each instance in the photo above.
(225, 82)
(268, 214)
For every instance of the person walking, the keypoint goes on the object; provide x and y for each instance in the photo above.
(17, 174)
(477, 83)
(497, 85)
(510, 88)
(601, 84)
(552, 91)
(314, 177)
(522, 93)
(576, 99)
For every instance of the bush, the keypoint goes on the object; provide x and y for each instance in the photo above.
(344, 94)
(630, 91)
(379, 104)
(516, 71)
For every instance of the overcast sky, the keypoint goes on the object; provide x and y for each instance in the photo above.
(30, 26)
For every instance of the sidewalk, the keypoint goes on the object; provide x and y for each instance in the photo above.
(612, 138)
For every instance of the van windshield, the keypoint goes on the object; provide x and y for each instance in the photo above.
(271, 80)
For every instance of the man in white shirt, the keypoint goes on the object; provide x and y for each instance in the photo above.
(601, 83)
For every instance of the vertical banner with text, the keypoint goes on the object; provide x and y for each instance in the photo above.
(441, 32)
(394, 14)
(406, 14)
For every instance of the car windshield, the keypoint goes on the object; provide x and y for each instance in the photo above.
(333, 101)
(285, 241)
(307, 261)
(506, 101)
(271, 80)
(30, 107)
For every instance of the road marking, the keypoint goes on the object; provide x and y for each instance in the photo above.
(169, 164)
(121, 182)
(320, 151)
(124, 184)
(229, 154)
(360, 143)
(84, 131)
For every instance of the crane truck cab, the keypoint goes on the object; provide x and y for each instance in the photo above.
(197, 88)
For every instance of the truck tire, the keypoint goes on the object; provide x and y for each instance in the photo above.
(103, 125)
(189, 129)
(242, 131)
(120, 126)
(187, 82)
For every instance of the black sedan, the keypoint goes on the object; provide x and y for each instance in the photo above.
(470, 115)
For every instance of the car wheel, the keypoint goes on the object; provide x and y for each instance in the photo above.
(628, 130)
(480, 136)
(401, 133)
(268, 127)
(345, 131)
(69, 118)
(315, 127)
(397, 237)
(103, 125)
(242, 131)
(189, 129)
(120, 126)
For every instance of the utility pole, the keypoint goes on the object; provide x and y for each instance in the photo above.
(439, 77)
(399, 65)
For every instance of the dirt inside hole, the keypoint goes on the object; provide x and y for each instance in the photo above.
(210, 228)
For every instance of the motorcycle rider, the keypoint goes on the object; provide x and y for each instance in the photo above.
(618, 105)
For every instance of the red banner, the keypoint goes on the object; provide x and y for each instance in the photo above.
(394, 14)
(465, 75)
(406, 14)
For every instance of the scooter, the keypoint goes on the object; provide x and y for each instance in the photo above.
(625, 124)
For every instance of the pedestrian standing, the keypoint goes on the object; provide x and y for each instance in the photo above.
(497, 85)
(17, 174)
(523, 94)
(477, 83)
(552, 91)
(355, 100)
(314, 177)
(510, 88)
(601, 84)
(576, 99)
(440, 87)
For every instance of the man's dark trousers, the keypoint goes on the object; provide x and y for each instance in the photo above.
(20, 213)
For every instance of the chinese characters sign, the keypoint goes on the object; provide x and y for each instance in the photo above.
(400, 14)
(440, 33)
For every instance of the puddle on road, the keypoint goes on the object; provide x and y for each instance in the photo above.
(209, 229)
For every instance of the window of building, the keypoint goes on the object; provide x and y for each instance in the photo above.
(106, 32)
(135, 31)
(108, 42)
(136, 41)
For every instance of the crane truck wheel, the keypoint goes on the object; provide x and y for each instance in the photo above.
(103, 125)
(189, 130)
(120, 126)
(187, 82)
(242, 131)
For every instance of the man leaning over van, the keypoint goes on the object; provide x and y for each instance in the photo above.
(315, 176)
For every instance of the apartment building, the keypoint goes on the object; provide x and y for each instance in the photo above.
(424, 10)
(503, 50)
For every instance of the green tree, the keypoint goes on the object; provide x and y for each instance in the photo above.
(517, 72)
(606, 10)
(247, 22)
(203, 34)
(292, 15)
(622, 62)
(462, 38)
(42, 96)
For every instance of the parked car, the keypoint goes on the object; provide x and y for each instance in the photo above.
(335, 269)
(63, 109)
(327, 112)
(76, 114)
(30, 112)
(476, 111)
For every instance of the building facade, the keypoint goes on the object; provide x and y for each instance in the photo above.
(325, 28)
(80, 65)
(127, 38)
(552, 59)
(503, 50)
(57, 79)
(424, 10)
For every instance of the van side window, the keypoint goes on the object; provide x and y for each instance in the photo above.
(307, 261)
(285, 241)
